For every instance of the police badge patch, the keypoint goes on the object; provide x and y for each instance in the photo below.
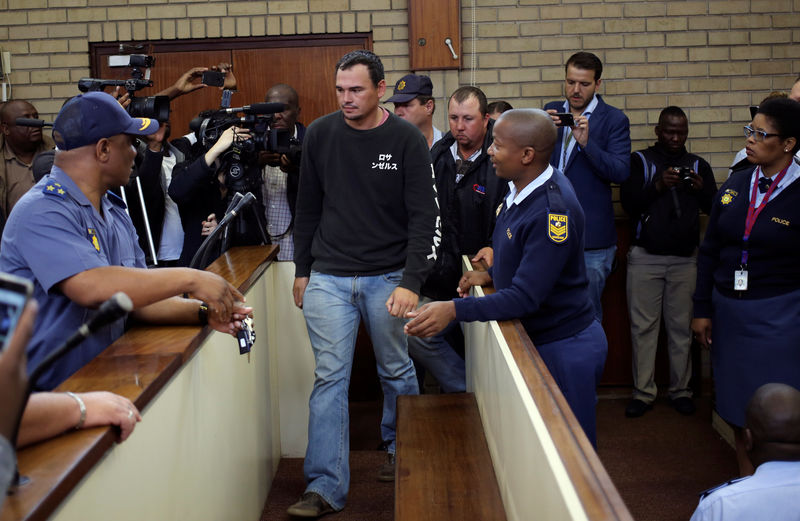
(728, 196)
(557, 227)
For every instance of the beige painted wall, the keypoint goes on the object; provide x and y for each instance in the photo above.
(712, 57)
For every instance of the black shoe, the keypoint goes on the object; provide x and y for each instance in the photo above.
(684, 405)
(310, 504)
(386, 472)
(637, 408)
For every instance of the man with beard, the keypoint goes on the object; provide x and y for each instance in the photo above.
(592, 161)
(663, 196)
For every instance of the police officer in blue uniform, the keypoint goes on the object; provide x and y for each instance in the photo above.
(539, 270)
(772, 438)
(75, 242)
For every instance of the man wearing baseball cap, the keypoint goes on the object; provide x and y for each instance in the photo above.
(73, 239)
(413, 101)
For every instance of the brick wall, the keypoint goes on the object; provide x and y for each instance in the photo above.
(711, 57)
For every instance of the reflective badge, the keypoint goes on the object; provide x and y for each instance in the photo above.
(53, 188)
(401, 85)
(93, 238)
(728, 196)
(557, 227)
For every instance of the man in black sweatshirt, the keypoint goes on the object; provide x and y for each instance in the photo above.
(366, 236)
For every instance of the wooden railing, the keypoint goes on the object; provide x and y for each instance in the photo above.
(546, 467)
(138, 366)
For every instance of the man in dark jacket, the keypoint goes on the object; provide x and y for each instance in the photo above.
(592, 160)
(469, 193)
(667, 189)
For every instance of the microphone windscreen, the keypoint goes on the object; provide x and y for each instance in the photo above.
(112, 309)
(30, 122)
(265, 108)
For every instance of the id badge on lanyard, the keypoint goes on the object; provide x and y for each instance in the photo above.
(740, 275)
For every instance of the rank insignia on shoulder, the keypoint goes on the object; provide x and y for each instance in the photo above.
(53, 188)
(93, 238)
(704, 494)
(728, 196)
(557, 227)
(499, 209)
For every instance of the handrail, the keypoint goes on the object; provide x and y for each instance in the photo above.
(138, 365)
(595, 490)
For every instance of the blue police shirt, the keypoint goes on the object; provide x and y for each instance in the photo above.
(770, 493)
(53, 233)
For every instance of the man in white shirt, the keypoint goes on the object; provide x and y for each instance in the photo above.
(772, 441)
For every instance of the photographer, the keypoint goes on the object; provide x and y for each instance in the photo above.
(199, 188)
(281, 173)
(663, 196)
(155, 160)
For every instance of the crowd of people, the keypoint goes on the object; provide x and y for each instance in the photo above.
(525, 191)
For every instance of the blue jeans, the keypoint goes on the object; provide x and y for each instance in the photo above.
(598, 267)
(333, 307)
(436, 355)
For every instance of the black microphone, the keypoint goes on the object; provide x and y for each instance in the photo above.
(112, 309)
(30, 122)
(257, 108)
(247, 200)
(233, 208)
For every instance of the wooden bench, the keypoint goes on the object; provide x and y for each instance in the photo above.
(444, 470)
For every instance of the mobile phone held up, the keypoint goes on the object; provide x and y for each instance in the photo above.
(14, 293)
(566, 119)
(213, 78)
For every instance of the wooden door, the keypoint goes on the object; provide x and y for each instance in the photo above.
(306, 63)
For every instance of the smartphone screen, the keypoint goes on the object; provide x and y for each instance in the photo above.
(14, 293)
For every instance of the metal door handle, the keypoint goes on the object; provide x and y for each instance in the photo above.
(449, 43)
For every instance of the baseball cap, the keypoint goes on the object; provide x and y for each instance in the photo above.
(88, 118)
(409, 87)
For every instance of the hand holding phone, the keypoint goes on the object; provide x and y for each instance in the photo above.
(14, 293)
(213, 78)
(565, 119)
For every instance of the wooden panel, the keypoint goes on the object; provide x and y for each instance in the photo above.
(444, 470)
(433, 21)
(137, 366)
(310, 70)
(593, 486)
(306, 63)
(168, 68)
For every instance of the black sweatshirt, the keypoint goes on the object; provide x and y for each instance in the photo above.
(367, 202)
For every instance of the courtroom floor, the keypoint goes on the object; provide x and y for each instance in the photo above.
(659, 462)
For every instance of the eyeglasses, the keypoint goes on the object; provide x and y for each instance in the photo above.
(760, 135)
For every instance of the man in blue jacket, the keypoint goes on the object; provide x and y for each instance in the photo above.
(592, 161)
(538, 271)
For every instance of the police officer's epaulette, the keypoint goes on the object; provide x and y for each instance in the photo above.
(704, 494)
(557, 214)
(54, 188)
(117, 200)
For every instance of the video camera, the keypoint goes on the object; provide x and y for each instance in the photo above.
(153, 107)
(240, 161)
